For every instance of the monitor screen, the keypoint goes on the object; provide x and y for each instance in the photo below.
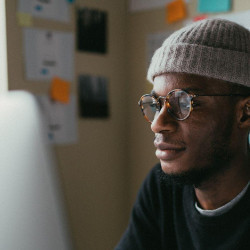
(32, 212)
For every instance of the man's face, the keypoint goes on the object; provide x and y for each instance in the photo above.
(193, 150)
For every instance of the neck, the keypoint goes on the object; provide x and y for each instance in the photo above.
(221, 189)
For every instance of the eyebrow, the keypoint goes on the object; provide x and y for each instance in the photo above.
(193, 90)
(189, 90)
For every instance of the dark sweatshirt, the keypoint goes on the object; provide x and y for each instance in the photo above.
(164, 217)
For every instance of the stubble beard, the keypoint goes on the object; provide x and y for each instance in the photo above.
(218, 159)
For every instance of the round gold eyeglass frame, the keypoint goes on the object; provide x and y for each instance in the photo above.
(163, 100)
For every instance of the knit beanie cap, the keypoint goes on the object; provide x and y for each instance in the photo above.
(214, 48)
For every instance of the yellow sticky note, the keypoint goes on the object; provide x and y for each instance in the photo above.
(176, 10)
(60, 90)
(24, 19)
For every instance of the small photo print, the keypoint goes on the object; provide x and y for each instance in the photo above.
(93, 96)
(92, 30)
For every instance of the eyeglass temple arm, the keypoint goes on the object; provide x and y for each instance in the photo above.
(222, 95)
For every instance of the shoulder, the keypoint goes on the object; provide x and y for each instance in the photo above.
(154, 180)
(154, 176)
(153, 190)
(151, 214)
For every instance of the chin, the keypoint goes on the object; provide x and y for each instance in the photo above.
(172, 172)
(174, 167)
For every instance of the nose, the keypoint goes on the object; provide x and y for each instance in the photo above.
(164, 122)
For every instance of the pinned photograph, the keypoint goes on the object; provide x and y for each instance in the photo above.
(92, 30)
(93, 96)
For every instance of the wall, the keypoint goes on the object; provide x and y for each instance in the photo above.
(93, 171)
(101, 174)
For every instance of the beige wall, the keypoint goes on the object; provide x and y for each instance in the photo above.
(103, 171)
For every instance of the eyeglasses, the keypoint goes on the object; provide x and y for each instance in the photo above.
(179, 104)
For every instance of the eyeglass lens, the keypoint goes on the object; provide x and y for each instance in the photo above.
(179, 105)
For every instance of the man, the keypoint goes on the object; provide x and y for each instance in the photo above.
(198, 197)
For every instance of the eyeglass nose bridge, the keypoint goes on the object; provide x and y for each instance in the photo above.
(163, 100)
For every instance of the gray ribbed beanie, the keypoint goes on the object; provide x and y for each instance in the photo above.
(214, 48)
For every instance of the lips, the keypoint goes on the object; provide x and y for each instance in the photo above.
(168, 152)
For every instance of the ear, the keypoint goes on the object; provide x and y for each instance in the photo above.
(244, 113)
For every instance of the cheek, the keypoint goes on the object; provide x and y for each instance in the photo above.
(198, 140)
(205, 137)
(200, 137)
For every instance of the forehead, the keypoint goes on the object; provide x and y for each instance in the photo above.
(199, 84)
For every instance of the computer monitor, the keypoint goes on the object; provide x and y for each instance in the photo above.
(32, 214)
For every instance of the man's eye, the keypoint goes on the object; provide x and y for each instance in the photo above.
(153, 106)
(184, 105)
